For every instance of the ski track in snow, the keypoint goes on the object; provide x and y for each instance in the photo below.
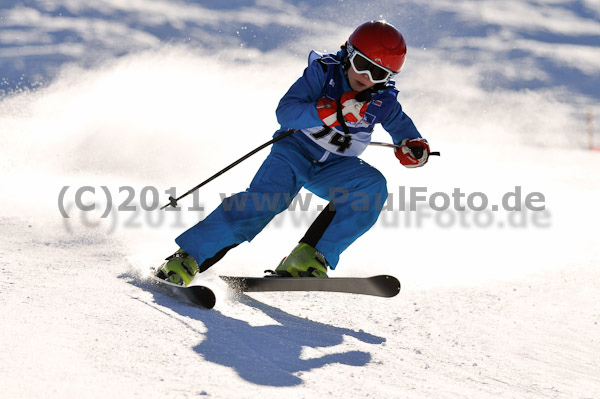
(88, 325)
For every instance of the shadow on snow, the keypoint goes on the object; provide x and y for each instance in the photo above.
(268, 355)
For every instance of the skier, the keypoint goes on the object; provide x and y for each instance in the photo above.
(333, 107)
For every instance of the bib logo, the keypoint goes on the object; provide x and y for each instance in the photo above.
(369, 119)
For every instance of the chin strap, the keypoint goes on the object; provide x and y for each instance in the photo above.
(365, 95)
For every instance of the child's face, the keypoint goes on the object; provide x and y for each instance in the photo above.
(359, 81)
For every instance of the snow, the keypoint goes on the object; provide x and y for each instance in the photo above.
(151, 95)
(88, 326)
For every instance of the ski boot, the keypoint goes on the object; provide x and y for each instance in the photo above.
(304, 261)
(179, 268)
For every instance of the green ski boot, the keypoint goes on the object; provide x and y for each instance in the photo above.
(304, 261)
(179, 268)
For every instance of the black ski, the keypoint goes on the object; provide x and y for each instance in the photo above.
(196, 294)
(383, 286)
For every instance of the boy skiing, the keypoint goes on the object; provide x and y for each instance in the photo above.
(333, 108)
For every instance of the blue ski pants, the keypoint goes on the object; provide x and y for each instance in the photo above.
(357, 190)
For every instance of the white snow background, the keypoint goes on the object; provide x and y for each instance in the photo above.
(154, 94)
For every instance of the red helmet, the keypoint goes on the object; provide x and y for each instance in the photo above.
(381, 42)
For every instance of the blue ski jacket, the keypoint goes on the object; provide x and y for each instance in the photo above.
(325, 77)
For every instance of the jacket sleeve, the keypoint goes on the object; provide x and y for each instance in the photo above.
(399, 125)
(297, 109)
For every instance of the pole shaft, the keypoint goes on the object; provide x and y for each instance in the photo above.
(173, 201)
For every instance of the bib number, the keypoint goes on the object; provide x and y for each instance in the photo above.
(341, 141)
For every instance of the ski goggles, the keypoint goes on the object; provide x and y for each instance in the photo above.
(364, 65)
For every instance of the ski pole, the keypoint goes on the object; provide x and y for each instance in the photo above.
(173, 201)
(377, 143)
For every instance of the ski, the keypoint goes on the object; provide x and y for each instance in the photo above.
(382, 286)
(197, 294)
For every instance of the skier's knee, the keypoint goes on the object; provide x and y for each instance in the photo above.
(380, 188)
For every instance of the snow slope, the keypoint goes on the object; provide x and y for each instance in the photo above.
(89, 326)
(151, 95)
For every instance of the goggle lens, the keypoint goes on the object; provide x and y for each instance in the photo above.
(363, 64)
